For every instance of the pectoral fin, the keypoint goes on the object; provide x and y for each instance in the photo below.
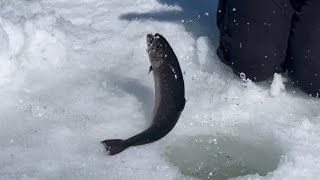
(150, 69)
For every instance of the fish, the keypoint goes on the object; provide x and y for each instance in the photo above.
(169, 96)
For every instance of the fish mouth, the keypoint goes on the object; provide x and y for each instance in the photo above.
(150, 40)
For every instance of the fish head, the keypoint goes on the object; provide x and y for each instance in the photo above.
(157, 49)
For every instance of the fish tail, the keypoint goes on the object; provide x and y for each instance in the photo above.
(114, 146)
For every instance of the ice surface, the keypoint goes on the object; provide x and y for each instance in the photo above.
(73, 73)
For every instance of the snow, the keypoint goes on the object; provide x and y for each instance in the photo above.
(277, 85)
(73, 73)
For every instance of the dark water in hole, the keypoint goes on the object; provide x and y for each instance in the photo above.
(222, 157)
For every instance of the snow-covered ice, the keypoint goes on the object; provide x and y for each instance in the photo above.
(277, 85)
(73, 73)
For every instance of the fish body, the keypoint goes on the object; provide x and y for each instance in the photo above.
(169, 96)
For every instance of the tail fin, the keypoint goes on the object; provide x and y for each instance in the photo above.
(114, 146)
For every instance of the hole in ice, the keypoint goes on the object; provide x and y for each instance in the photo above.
(223, 157)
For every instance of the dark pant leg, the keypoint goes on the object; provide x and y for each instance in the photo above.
(254, 35)
(303, 56)
(297, 4)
